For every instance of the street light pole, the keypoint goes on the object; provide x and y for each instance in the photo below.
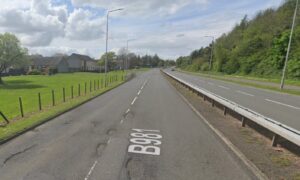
(106, 47)
(289, 47)
(127, 52)
(211, 53)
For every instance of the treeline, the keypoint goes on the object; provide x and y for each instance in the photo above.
(131, 60)
(256, 47)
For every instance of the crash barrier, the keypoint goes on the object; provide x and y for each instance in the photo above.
(278, 129)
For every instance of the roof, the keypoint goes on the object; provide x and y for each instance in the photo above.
(82, 57)
(46, 61)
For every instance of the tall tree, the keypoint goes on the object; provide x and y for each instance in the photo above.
(11, 53)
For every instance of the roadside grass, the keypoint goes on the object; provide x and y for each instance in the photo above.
(281, 160)
(272, 88)
(296, 176)
(29, 86)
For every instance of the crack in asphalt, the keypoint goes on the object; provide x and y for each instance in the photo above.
(18, 153)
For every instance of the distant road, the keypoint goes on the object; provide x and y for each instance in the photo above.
(108, 139)
(283, 108)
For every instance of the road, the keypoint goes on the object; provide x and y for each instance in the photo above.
(283, 108)
(108, 138)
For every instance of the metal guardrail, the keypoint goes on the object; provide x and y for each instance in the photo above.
(276, 127)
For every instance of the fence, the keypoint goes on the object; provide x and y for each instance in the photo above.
(63, 95)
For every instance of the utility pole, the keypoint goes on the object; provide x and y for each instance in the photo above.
(127, 53)
(106, 47)
(289, 47)
(211, 51)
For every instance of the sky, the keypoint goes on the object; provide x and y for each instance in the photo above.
(169, 28)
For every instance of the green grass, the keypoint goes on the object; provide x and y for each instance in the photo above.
(29, 86)
(281, 160)
(272, 88)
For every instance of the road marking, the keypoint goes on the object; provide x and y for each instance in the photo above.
(238, 153)
(247, 94)
(287, 105)
(224, 87)
(145, 142)
(91, 170)
(139, 92)
(121, 122)
(132, 103)
(108, 140)
(128, 110)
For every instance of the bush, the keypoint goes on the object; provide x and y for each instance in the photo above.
(35, 72)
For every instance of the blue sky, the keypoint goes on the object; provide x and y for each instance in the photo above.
(170, 28)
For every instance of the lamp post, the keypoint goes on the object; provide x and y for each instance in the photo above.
(211, 53)
(106, 58)
(127, 52)
(289, 47)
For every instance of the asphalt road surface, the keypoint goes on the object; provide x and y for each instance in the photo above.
(141, 130)
(283, 108)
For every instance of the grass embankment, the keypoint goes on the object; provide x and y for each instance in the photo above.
(28, 88)
(263, 83)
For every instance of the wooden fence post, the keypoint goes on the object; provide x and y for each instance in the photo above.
(4, 117)
(21, 106)
(72, 92)
(53, 98)
(85, 88)
(79, 93)
(40, 101)
(64, 95)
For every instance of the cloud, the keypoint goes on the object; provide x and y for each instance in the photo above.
(82, 26)
(36, 26)
(141, 7)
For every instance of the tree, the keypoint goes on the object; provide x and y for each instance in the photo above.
(110, 60)
(11, 53)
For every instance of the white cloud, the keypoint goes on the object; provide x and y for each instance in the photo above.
(143, 8)
(81, 26)
(33, 27)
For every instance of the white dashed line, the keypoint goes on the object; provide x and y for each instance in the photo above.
(224, 87)
(121, 122)
(247, 94)
(139, 92)
(287, 105)
(108, 141)
(128, 110)
(134, 100)
(91, 170)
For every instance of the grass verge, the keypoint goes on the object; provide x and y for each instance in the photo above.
(272, 88)
(34, 118)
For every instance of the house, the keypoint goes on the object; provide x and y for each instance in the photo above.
(56, 64)
(84, 63)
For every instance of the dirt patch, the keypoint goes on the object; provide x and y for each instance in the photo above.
(275, 163)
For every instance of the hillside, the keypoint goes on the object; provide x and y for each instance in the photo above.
(255, 47)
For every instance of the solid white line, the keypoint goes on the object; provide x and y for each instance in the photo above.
(287, 105)
(139, 92)
(242, 92)
(134, 100)
(224, 87)
(91, 170)
(128, 110)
